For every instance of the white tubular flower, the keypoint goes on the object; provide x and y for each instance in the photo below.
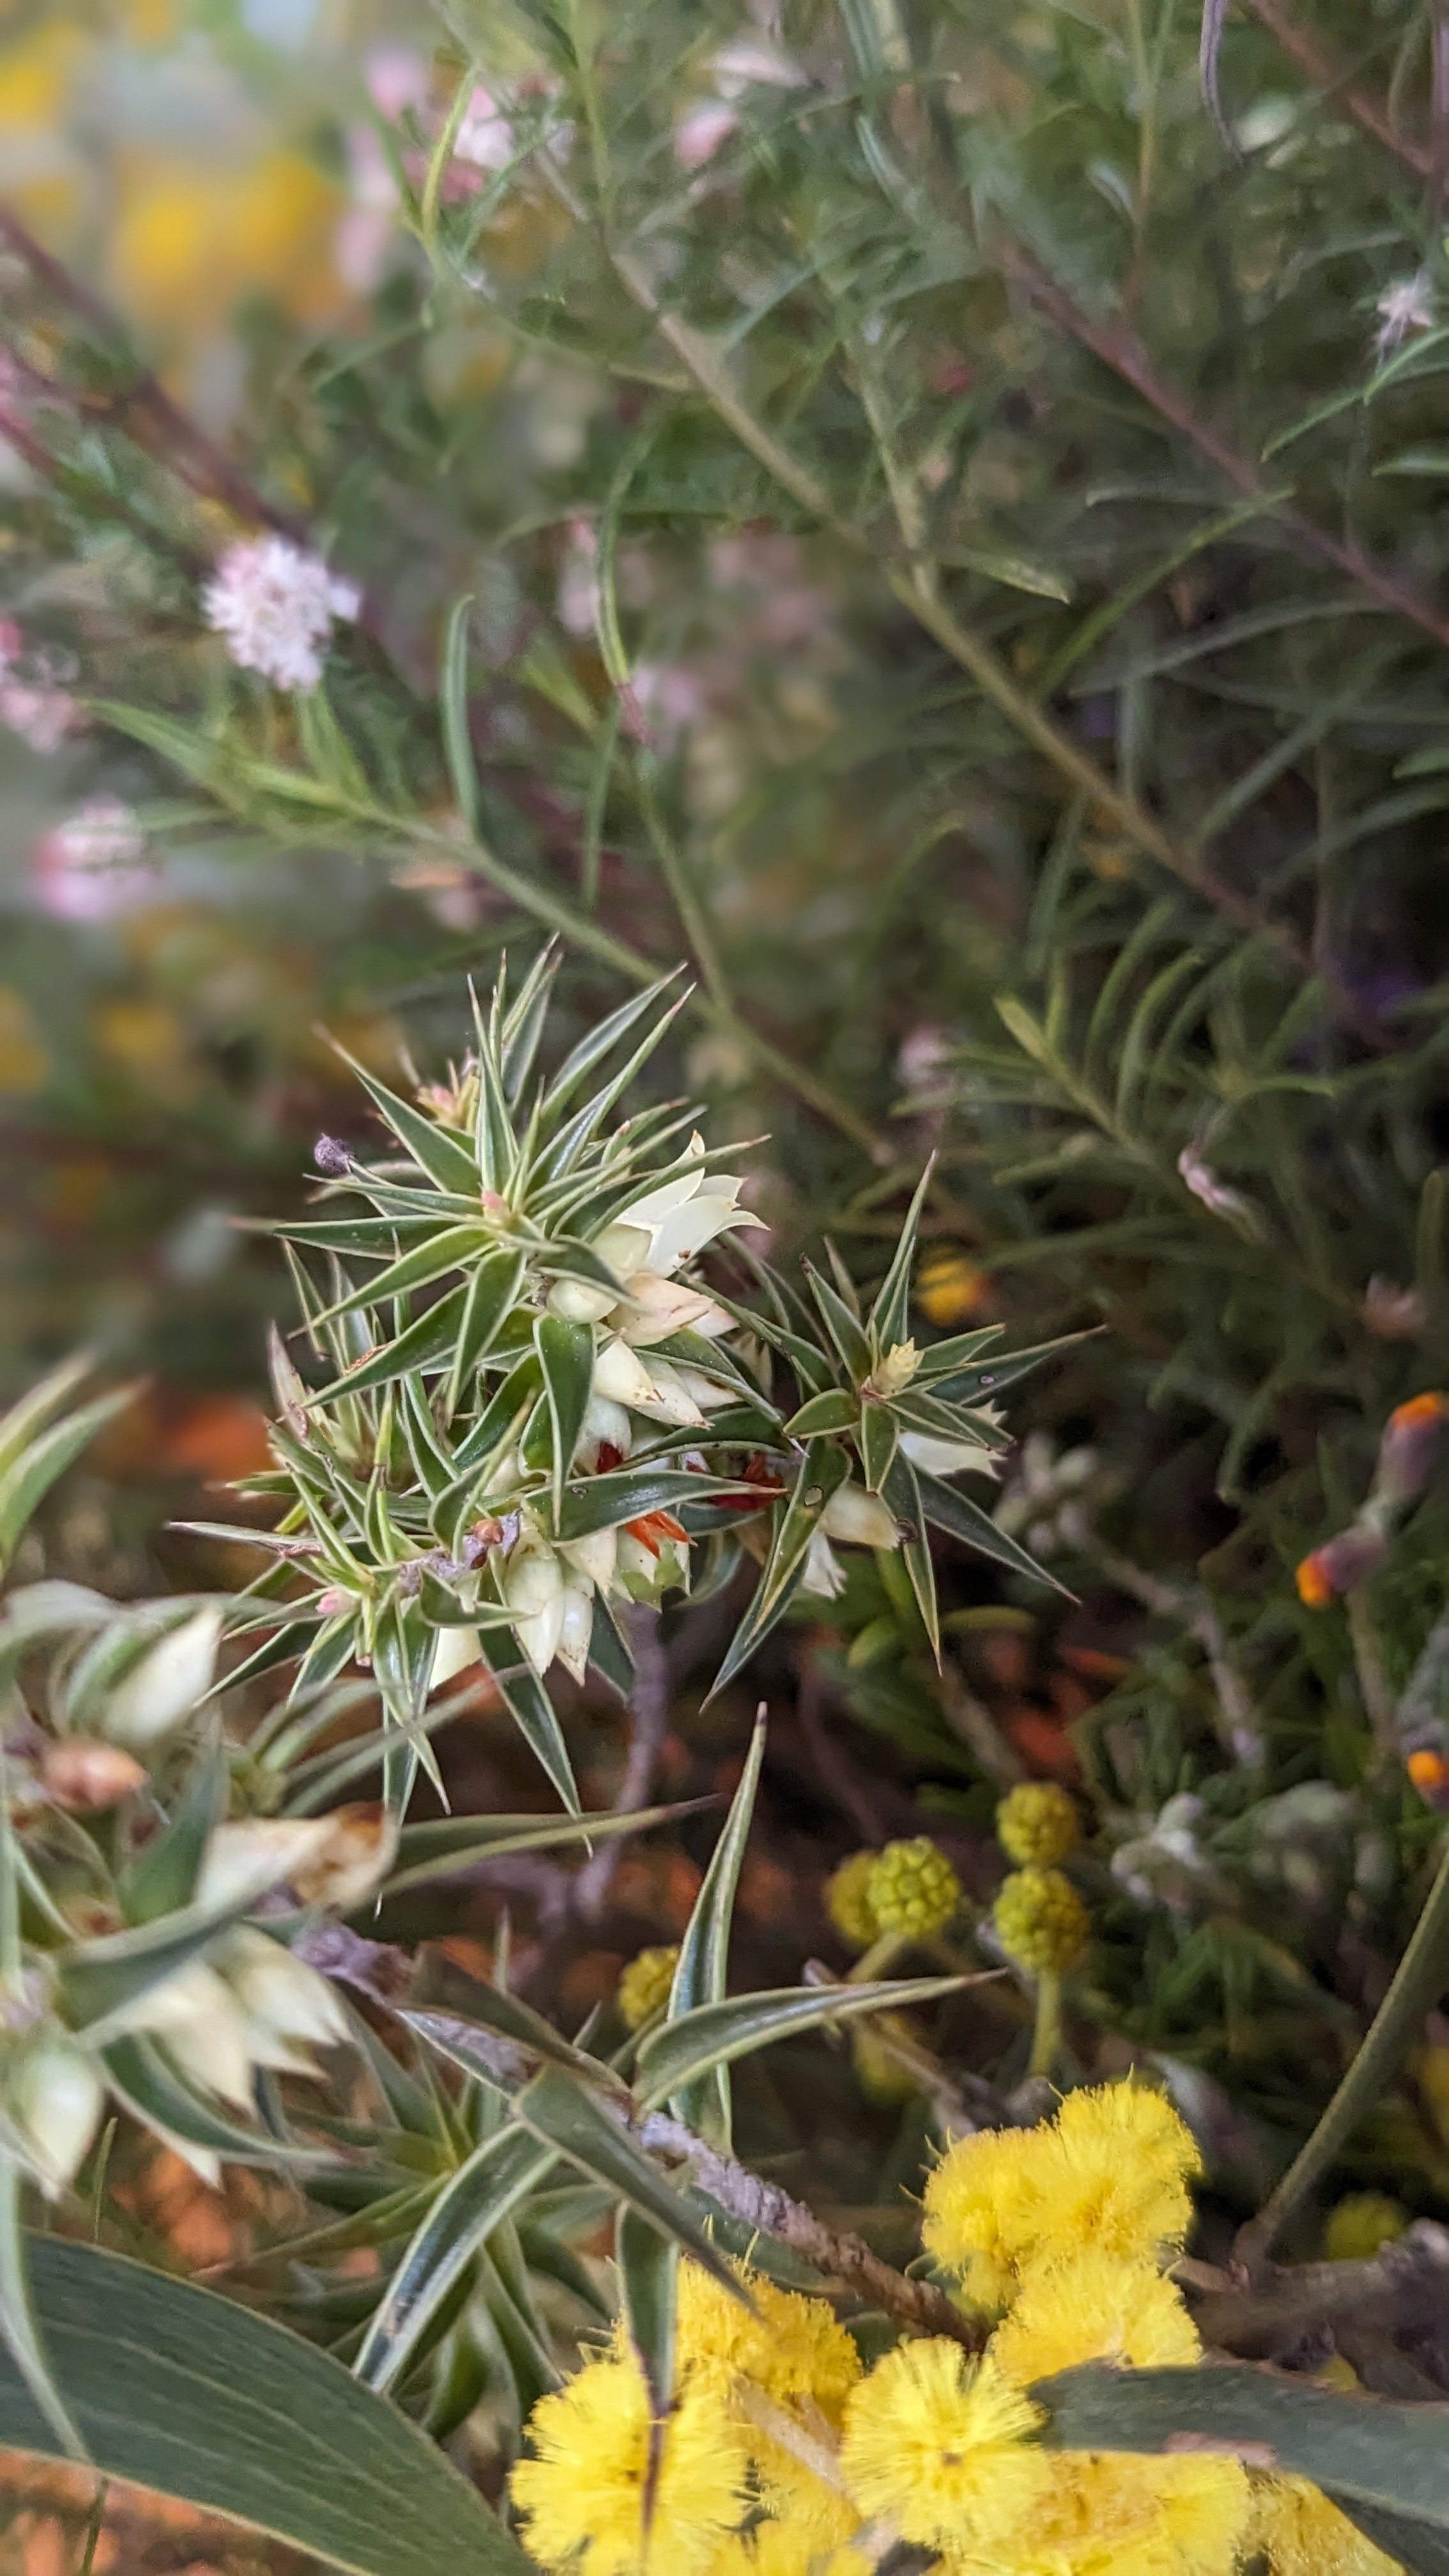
(160, 1691)
(361, 1846)
(824, 1574)
(454, 1651)
(242, 1860)
(669, 1399)
(859, 1519)
(704, 1391)
(56, 2099)
(658, 1307)
(686, 1213)
(202, 2028)
(579, 1302)
(276, 605)
(622, 1377)
(896, 1370)
(594, 1557)
(948, 1457)
(624, 1247)
(288, 2007)
(605, 1424)
(533, 1588)
(576, 1629)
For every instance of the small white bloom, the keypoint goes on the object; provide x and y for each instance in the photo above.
(1214, 1194)
(659, 1307)
(283, 1999)
(242, 1860)
(897, 1369)
(533, 1588)
(669, 1399)
(456, 1649)
(579, 1302)
(56, 2099)
(686, 1212)
(824, 1574)
(624, 1247)
(859, 1519)
(576, 1629)
(605, 1424)
(485, 137)
(948, 1457)
(621, 1375)
(1408, 306)
(276, 605)
(595, 1557)
(202, 2027)
(161, 1690)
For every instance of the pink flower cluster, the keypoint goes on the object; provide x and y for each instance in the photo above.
(92, 866)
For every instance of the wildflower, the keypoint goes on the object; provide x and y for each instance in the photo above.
(1214, 1194)
(939, 2441)
(1040, 1921)
(787, 2549)
(1409, 1449)
(982, 2210)
(644, 1986)
(1110, 2172)
(913, 1888)
(1362, 2223)
(598, 2460)
(1340, 1565)
(533, 1587)
(276, 605)
(949, 1288)
(1428, 1769)
(88, 868)
(1095, 2307)
(859, 1519)
(1121, 2516)
(1407, 306)
(896, 1370)
(485, 138)
(847, 1899)
(55, 2098)
(791, 2347)
(1038, 1823)
(1299, 2533)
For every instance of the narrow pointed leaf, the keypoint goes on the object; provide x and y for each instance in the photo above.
(955, 1513)
(445, 1846)
(23, 2333)
(150, 2088)
(28, 1478)
(836, 1410)
(841, 1323)
(490, 1296)
(192, 2395)
(877, 1440)
(649, 2278)
(702, 1968)
(901, 1490)
(453, 1247)
(609, 1649)
(27, 1418)
(426, 1342)
(162, 1876)
(534, 1715)
(482, 2194)
(627, 1493)
(677, 2054)
(891, 1311)
(823, 1467)
(1002, 1368)
(566, 1356)
(575, 2121)
(444, 1157)
(453, 708)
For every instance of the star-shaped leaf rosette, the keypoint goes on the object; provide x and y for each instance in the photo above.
(534, 1410)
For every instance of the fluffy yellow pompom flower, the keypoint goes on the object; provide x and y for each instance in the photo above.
(1037, 1824)
(1118, 2516)
(792, 2346)
(847, 1900)
(982, 2210)
(1110, 2172)
(645, 1983)
(913, 1888)
(1361, 2224)
(939, 2443)
(786, 2549)
(1040, 1921)
(1300, 2533)
(1095, 2307)
(582, 2495)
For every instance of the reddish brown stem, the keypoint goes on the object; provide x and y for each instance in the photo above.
(1331, 77)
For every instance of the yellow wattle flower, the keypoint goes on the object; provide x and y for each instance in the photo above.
(940, 2443)
(1094, 2307)
(792, 2347)
(1038, 1824)
(643, 1988)
(913, 1888)
(581, 2496)
(847, 1899)
(1300, 2533)
(1116, 2515)
(1041, 1922)
(786, 2549)
(982, 2210)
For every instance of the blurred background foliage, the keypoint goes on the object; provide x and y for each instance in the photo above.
(954, 545)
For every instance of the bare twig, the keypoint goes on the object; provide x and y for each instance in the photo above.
(648, 1726)
(1313, 58)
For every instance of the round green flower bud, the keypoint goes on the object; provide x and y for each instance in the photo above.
(847, 1901)
(1037, 1824)
(1041, 1921)
(645, 1983)
(913, 1888)
(1361, 2225)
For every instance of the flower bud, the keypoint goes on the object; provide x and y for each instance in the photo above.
(201, 2027)
(1409, 1449)
(645, 1985)
(282, 1998)
(56, 2098)
(847, 1900)
(606, 1425)
(1040, 1921)
(361, 1846)
(947, 1457)
(594, 1556)
(454, 1650)
(577, 1629)
(824, 1575)
(242, 1860)
(533, 1590)
(161, 1690)
(669, 1398)
(859, 1519)
(1361, 2225)
(84, 1776)
(896, 1370)
(579, 1301)
(1038, 1823)
(1341, 1564)
(622, 1377)
(913, 1888)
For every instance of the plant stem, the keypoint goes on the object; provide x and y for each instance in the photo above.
(1046, 2036)
(1373, 1682)
(1418, 1981)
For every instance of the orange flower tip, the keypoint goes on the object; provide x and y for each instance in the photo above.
(1429, 1772)
(1315, 1583)
(1429, 1407)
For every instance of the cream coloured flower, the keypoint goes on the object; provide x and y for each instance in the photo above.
(859, 1519)
(948, 1457)
(533, 1589)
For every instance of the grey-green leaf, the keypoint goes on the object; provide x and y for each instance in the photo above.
(678, 2053)
(482, 2193)
(701, 1970)
(176, 2389)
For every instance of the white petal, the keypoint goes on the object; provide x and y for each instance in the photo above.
(594, 1556)
(532, 1579)
(539, 1635)
(619, 1375)
(824, 1574)
(455, 1649)
(576, 1630)
(56, 2097)
(689, 1228)
(624, 1247)
(242, 1860)
(670, 1400)
(579, 1302)
(859, 1518)
(152, 1700)
(659, 1307)
(948, 1457)
(278, 1993)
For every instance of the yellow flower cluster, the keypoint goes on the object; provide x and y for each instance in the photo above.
(645, 1984)
(781, 2455)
